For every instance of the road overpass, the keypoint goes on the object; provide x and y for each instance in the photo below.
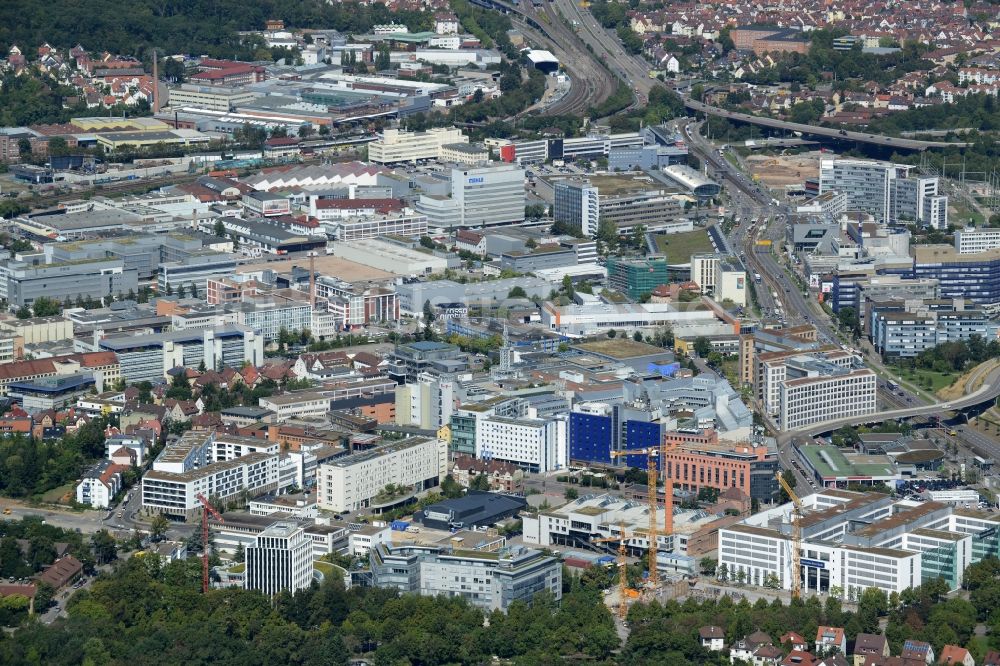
(989, 390)
(813, 130)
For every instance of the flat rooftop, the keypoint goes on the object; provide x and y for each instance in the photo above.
(620, 348)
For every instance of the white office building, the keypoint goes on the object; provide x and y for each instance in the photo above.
(885, 191)
(394, 145)
(357, 481)
(703, 269)
(826, 394)
(536, 445)
(852, 541)
(296, 405)
(280, 560)
(800, 389)
(973, 240)
(730, 282)
(489, 195)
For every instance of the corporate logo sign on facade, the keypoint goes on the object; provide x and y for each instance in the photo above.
(475, 180)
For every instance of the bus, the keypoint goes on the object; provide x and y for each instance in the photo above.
(892, 385)
(756, 278)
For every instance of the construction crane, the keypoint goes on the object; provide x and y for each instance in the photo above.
(206, 509)
(796, 537)
(651, 483)
(623, 589)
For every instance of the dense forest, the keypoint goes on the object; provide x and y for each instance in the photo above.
(149, 613)
(178, 26)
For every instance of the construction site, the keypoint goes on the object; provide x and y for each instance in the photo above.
(647, 529)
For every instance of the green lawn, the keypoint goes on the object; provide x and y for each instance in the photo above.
(678, 248)
(55, 495)
(328, 569)
(937, 380)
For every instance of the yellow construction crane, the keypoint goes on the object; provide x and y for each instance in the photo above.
(623, 589)
(796, 537)
(651, 482)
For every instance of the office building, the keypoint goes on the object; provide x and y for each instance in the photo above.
(597, 429)
(357, 304)
(885, 190)
(579, 523)
(488, 195)
(626, 202)
(696, 460)
(486, 579)
(972, 240)
(407, 362)
(296, 405)
(359, 480)
(426, 403)
(150, 357)
(404, 224)
(95, 279)
(280, 560)
(907, 328)
(975, 277)
(577, 204)
(534, 445)
(852, 541)
(395, 145)
(50, 393)
(637, 277)
(194, 271)
(220, 466)
(103, 366)
(815, 390)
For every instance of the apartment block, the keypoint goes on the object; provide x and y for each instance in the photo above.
(356, 481)
(221, 466)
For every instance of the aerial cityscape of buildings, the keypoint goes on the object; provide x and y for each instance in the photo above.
(696, 304)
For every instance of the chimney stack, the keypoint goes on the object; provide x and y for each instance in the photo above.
(156, 84)
(312, 280)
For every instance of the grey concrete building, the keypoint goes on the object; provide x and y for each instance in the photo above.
(62, 281)
(488, 580)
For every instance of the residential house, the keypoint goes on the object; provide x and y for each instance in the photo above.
(712, 638)
(62, 572)
(503, 476)
(913, 649)
(756, 649)
(794, 641)
(829, 639)
(953, 654)
(869, 645)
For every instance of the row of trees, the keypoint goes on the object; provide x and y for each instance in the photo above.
(954, 356)
(29, 467)
(150, 613)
